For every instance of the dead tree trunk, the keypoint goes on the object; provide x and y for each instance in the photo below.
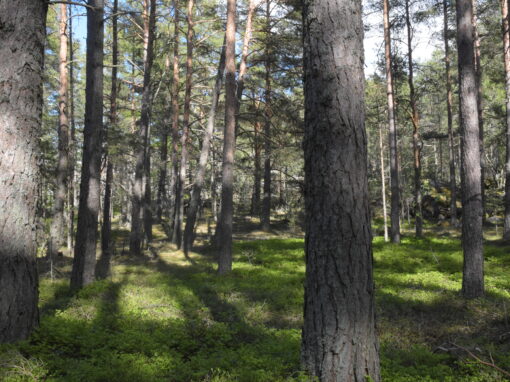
(90, 188)
(339, 340)
(22, 32)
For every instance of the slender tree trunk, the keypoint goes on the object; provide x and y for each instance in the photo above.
(72, 143)
(62, 170)
(227, 181)
(479, 102)
(162, 199)
(339, 340)
(383, 183)
(175, 118)
(506, 47)
(139, 215)
(22, 32)
(103, 269)
(181, 180)
(265, 218)
(90, 188)
(449, 103)
(416, 134)
(395, 188)
(472, 234)
(194, 205)
(255, 204)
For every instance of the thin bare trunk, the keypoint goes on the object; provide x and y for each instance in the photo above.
(383, 183)
(506, 47)
(72, 142)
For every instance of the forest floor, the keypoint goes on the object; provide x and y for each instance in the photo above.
(163, 317)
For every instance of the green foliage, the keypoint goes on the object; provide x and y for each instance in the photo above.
(168, 320)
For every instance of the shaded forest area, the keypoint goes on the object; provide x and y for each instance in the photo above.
(176, 188)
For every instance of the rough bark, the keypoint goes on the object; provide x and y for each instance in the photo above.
(181, 180)
(394, 176)
(339, 340)
(449, 103)
(72, 142)
(195, 200)
(227, 181)
(62, 170)
(103, 268)
(22, 32)
(506, 56)
(472, 235)
(88, 211)
(265, 218)
(139, 213)
(416, 133)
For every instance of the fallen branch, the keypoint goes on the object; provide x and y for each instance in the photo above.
(490, 364)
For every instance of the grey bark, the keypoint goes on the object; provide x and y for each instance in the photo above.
(472, 234)
(86, 234)
(339, 340)
(22, 32)
(227, 181)
(394, 176)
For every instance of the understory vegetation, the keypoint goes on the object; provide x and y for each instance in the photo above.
(163, 317)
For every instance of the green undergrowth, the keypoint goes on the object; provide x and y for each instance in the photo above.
(170, 319)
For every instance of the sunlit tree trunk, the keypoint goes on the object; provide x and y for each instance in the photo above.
(72, 142)
(23, 25)
(339, 340)
(472, 239)
(227, 181)
(394, 176)
(86, 233)
(506, 50)
(383, 183)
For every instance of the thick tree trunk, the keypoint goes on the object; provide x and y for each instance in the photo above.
(181, 180)
(472, 234)
(449, 103)
(139, 215)
(22, 32)
(62, 170)
(395, 188)
(103, 268)
(416, 134)
(227, 181)
(339, 339)
(265, 218)
(194, 205)
(506, 47)
(90, 188)
(479, 104)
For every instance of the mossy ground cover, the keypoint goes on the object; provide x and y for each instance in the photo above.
(166, 318)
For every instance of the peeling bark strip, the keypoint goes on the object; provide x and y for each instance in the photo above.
(472, 240)
(88, 211)
(339, 341)
(22, 34)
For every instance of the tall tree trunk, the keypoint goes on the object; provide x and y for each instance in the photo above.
(265, 218)
(21, 76)
(72, 143)
(141, 149)
(175, 117)
(395, 188)
(227, 180)
(449, 103)
(339, 340)
(162, 199)
(103, 269)
(416, 133)
(472, 235)
(62, 170)
(479, 103)
(255, 204)
(181, 180)
(506, 47)
(90, 188)
(194, 205)
(383, 183)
